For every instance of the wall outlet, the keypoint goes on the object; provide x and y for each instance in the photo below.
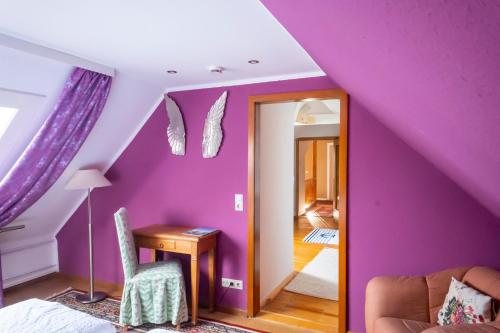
(238, 202)
(231, 283)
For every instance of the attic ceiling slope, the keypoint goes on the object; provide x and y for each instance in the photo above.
(429, 70)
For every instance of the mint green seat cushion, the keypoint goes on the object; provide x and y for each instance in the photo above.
(153, 292)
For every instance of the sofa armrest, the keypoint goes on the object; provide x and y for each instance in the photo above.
(404, 297)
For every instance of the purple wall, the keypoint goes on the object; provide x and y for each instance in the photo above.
(405, 217)
(428, 69)
(157, 187)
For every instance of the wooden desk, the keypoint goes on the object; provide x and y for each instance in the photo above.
(166, 238)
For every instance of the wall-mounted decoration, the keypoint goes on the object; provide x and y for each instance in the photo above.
(175, 131)
(212, 133)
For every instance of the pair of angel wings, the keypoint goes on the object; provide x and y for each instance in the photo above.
(212, 131)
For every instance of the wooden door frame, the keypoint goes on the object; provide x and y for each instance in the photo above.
(296, 174)
(329, 182)
(253, 290)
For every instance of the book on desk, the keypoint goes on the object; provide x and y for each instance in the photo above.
(199, 231)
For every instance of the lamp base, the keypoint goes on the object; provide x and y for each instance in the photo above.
(85, 298)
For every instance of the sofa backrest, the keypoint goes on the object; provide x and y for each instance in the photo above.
(421, 298)
(438, 284)
(487, 281)
(484, 279)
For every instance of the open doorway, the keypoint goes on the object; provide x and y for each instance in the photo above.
(317, 175)
(297, 208)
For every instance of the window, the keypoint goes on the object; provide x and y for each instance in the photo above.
(6, 117)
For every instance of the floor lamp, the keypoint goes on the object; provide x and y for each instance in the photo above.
(88, 180)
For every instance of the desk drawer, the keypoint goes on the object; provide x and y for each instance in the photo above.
(172, 245)
(168, 244)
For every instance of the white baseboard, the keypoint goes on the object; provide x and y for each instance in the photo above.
(29, 276)
(28, 259)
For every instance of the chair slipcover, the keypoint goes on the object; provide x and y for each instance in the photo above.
(153, 292)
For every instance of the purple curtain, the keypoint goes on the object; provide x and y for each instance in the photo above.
(55, 144)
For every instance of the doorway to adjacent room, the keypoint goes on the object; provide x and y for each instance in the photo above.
(297, 208)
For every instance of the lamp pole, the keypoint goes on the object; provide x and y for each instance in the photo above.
(88, 179)
(92, 296)
(91, 246)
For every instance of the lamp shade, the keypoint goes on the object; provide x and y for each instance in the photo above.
(85, 179)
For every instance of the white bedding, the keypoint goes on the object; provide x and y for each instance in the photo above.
(35, 315)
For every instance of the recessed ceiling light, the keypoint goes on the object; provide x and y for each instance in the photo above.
(253, 61)
(171, 71)
(216, 69)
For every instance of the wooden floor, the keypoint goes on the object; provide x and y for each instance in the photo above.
(54, 283)
(303, 253)
(302, 310)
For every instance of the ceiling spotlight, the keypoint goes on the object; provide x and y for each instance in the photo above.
(171, 71)
(253, 61)
(216, 69)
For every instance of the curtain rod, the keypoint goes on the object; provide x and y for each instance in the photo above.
(11, 228)
(29, 47)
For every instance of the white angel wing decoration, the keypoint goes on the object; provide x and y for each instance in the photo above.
(212, 133)
(175, 131)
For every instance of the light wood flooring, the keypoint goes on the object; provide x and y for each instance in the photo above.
(54, 283)
(302, 310)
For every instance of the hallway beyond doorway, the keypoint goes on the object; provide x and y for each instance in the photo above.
(303, 310)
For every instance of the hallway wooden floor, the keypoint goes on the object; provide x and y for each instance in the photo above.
(305, 252)
(305, 311)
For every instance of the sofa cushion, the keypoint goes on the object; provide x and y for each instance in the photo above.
(464, 305)
(438, 284)
(487, 281)
(493, 327)
(396, 325)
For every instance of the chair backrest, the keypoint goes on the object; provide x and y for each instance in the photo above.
(126, 242)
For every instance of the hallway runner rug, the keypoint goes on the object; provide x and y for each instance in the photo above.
(109, 309)
(322, 236)
(321, 209)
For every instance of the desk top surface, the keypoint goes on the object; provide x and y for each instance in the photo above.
(169, 231)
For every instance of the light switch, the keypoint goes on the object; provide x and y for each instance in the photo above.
(238, 202)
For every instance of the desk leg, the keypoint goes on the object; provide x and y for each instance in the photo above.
(195, 287)
(155, 255)
(211, 279)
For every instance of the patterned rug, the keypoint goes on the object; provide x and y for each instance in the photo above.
(323, 210)
(322, 236)
(109, 309)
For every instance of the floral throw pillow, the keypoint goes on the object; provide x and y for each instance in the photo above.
(464, 305)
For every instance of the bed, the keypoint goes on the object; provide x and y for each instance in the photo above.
(37, 316)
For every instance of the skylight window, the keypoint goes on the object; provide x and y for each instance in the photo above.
(6, 117)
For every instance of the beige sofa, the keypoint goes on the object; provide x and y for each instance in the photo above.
(410, 304)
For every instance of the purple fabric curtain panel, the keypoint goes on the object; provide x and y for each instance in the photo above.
(55, 144)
